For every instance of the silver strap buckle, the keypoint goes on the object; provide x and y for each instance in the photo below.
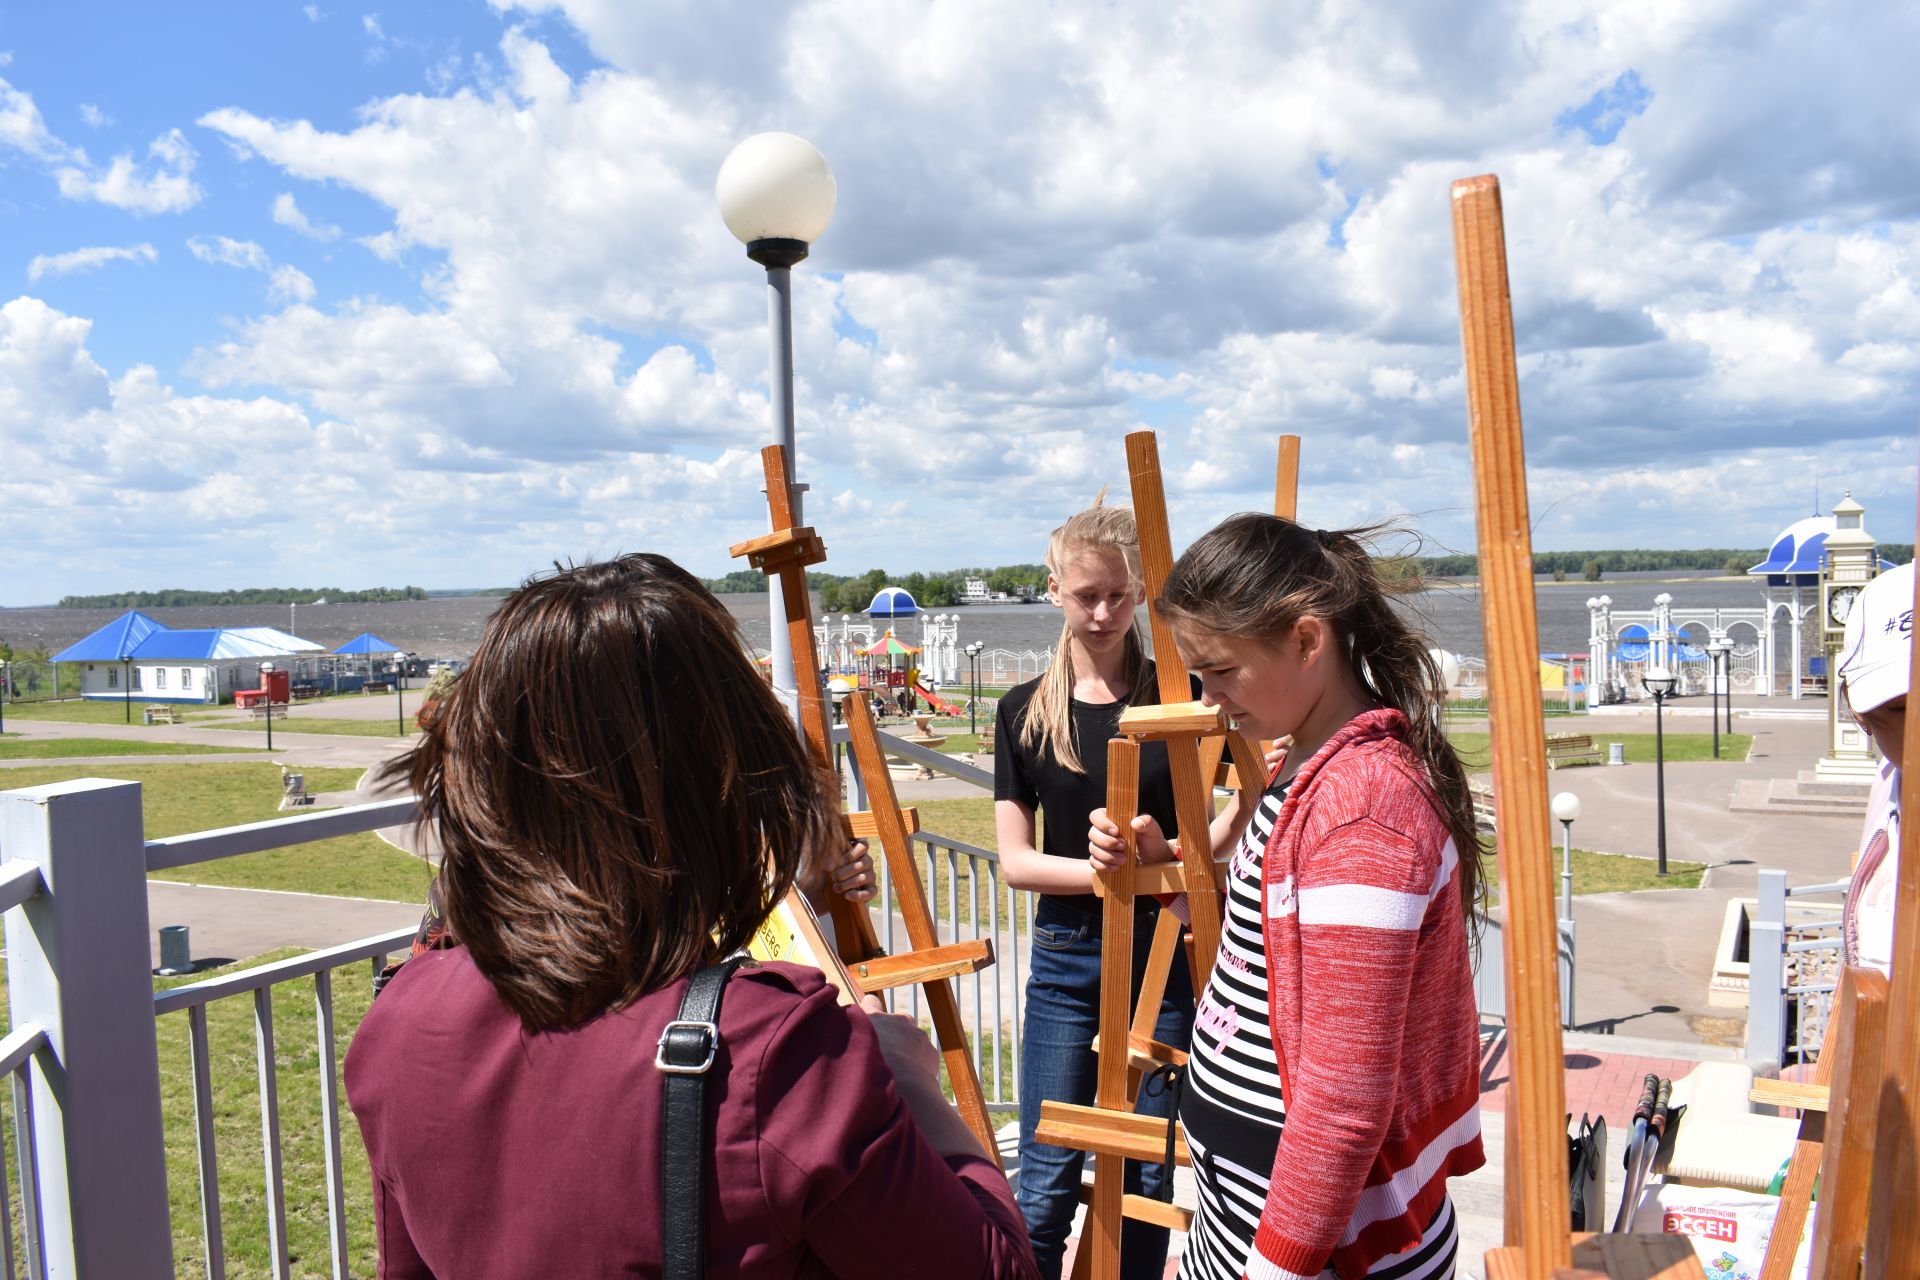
(713, 1046)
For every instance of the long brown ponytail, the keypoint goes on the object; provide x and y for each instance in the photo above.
(1254, 576)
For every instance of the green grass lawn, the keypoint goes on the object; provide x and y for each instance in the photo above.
(313, 724)
(1475, 750)
(1607, 873)
(17, 748)
(197, 797)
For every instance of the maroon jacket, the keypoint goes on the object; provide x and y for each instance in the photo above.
(502, 1153)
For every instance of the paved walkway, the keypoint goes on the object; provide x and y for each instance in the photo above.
(231, 924)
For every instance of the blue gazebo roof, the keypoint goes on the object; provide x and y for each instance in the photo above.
(367, 642)
(892, 602)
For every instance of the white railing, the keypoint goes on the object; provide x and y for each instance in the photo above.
(82, 1055)
(1792, 973)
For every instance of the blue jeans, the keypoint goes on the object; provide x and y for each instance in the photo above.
(1057, 1064)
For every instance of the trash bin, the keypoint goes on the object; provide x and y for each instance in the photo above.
(176, 951)
(148, 713)
(1616, 753)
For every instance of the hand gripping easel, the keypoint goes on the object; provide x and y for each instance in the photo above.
(1539, 1243)
(860, 966)
(1110, 1129)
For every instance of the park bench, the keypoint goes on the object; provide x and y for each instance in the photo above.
(162, 713)
(304, 692)
(376, 686)
(1572, 748)
(986, 740)
(262, 710)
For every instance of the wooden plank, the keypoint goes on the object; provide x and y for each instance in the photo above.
(796, 544)
(1796, 1193)
(914, 968)
(853, 931)
(1117, 1133)
(896, 843)
(1172, 719)
(1156, 560)
(1102, 1233)
(1286, 479)
(1802, 1095)
(1860, 1018)
(1153, 983)
(1893, 1228)
(862, 825)
(1536, 1108)
(1160, 1213)
(1155, 878)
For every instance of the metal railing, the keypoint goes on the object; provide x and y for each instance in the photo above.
(1792, 973)
(970, 899)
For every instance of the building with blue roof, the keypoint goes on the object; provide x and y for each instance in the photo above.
(1792, 571)
(136, 656)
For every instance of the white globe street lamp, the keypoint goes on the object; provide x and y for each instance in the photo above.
(1566, 809)
(777, 196)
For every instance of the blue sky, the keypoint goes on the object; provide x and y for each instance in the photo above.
(438, 293)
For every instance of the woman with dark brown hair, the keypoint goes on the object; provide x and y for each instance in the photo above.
(621, 801)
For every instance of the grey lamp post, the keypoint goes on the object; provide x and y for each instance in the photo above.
(777, 194)
(266, 672)
(1566, 809)
(1659, 682)
(1716, 656)
(973, 703)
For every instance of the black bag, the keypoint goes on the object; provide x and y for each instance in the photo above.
(1586, 1174)
(687, 1050)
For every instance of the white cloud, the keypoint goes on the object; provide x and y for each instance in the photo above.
(1222, 221)
(163, 184)
(93, 117)
(89, 259)
(229, 252)
(23, 129)
(290, 284)
(287, 212)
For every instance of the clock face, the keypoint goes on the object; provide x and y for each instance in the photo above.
(1840, 604)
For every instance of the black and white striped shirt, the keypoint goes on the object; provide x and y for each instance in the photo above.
(1231, 1105)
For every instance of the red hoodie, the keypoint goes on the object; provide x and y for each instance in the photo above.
(1370, 993)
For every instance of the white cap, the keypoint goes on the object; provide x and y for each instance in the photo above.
(1877, 653)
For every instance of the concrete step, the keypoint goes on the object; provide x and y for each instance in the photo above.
(1812, 784)
(1787, 795)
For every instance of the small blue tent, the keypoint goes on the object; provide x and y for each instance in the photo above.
(892, 602)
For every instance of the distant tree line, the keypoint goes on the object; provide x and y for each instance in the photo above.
(177, 597)
(849, 594)
(841, 593)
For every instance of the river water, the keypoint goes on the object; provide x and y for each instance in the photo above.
(449, 626)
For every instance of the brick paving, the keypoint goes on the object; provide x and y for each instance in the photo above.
(1598, 1083)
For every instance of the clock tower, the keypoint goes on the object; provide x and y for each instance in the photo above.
(1851, 562)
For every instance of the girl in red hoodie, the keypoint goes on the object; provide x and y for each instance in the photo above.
(1333, 1087)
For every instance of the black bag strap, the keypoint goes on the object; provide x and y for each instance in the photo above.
(687, 1050)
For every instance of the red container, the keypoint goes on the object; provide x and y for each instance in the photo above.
(277, 684)
(244, 698)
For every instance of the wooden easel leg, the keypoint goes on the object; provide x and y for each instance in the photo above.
(1101, 1238)
(1846, 1163)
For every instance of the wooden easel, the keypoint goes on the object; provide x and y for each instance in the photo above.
(786, 553)
(1110, 1129)
(1539, 1243)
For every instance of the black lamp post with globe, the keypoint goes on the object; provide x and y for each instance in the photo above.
(1659, 682)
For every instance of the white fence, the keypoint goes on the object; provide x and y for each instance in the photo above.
(82, 1060)
(1792, 972)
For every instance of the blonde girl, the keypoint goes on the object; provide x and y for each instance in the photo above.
(1049, 776)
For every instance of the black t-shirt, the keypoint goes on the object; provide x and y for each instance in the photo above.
(1062, 798)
